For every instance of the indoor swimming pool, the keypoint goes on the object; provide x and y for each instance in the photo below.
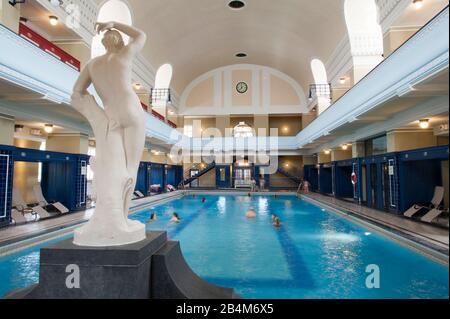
(315, 254)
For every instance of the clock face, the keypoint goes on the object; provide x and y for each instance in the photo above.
(241, 87)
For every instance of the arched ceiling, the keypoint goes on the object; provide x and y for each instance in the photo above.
(196, 36)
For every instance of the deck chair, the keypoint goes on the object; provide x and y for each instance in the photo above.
(435, 202)
(432, 215)
(139, 194)
(23, 208)
(18, 217)
(37, 190)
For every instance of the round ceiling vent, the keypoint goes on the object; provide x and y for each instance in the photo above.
(236, 4)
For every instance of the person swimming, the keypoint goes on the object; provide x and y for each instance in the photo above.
(276, 222)
(175, 218)
(274, 217)
(250, 214)
(153, 218)
(203, 200)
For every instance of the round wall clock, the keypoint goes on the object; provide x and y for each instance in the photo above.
(242, 87)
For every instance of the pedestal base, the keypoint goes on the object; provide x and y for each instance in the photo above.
(152, 268)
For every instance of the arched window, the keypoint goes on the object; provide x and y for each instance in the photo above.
(161, 92)
(242, 130)
(319, 72)
(111, 10)
(365, 34)
(321, 88)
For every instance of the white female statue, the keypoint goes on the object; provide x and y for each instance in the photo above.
(119, 129)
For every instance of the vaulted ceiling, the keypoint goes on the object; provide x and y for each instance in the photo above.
(196, 36)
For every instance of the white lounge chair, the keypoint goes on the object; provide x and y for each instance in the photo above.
(18, 217)
(435, 202)
(37, 190)
(155, 189)
(139, 194)
(21, 206)
(432, 215)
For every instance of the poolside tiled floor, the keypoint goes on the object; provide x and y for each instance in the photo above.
(434, 235)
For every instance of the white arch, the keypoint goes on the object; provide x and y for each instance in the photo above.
(320, 78)
(163, 76)
(162, 81)
(111, 10)
(266, 73)
(319, 72)
(365, 34)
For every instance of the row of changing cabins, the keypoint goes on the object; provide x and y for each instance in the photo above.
(390, 182)
(64, 177)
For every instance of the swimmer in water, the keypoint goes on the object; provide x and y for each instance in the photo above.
(277, 222)
(203, 199)
(274, 217)
(250, 214)
(175, 218)
(153, 218)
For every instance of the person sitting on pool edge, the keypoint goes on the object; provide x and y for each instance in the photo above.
(250, 213)
(175, 218)
(277, 222)
(153, 218)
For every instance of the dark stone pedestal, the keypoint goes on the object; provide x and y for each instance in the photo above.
(153, 268)
(172, 278)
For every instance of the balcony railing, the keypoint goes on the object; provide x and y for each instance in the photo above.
(48, 47)
(320, 90)
(160, 96)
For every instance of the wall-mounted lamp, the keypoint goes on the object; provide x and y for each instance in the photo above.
(14, 2)
(53, 20)
(345, 147)
(342, 80)
(327, 152)
(137, 86)
(48, 128)
(418, 4)
(18, 128)
(424, 124)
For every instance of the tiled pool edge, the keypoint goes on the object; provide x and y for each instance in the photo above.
(424, 248)
(30, 240)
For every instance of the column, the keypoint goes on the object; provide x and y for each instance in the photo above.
(6, 130)
(76, 143)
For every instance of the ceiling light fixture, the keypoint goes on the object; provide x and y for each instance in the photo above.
(236, 4)
(53, 20)
(48, 128)
(424, 124)
(418, 4)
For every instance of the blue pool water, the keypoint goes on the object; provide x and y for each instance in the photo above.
(315, 254)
